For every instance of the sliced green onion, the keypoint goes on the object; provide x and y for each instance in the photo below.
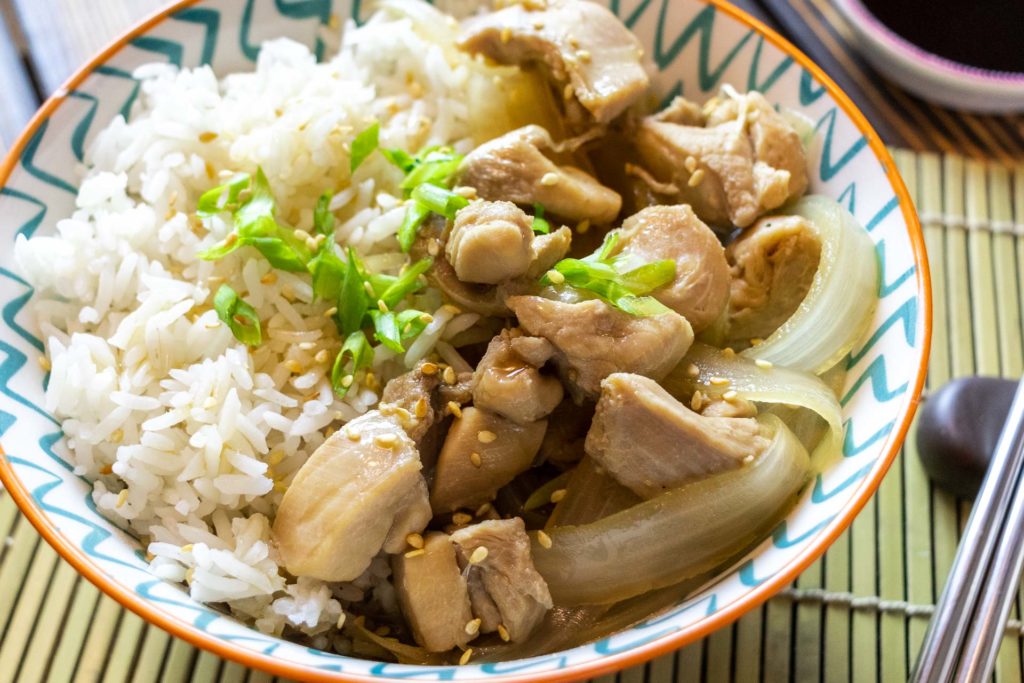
(355, 354)
(540, 225)
(400, 158)
(436, 168)
(406, 283)
(352, 296)
(328, 272)
(641, 306)
(607, 246)
(224, 197)
(439, 200)
(323, 219)
(411, 322)
(260, 205)
(649, 277)
(387, 330)
(415, 214)
(238, 315)
(364, 145)
(280, 252)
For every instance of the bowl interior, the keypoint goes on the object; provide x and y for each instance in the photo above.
(697, 47)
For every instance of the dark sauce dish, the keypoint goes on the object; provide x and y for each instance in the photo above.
(961, 55)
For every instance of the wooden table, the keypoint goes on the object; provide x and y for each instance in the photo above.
(858, 614)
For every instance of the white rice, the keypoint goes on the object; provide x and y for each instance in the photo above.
(189, 437)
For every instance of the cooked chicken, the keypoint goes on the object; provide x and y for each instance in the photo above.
(651, 442)
(359, 492)
(508, 384)
(747, 160)
(594, 340)
(547, 250)
(585, 49)
(720, 407)
(482, 453)
(490, 242)
(773, 265)
(700, 290)
(682, 111)
(433, 594)
(505, 589)
(418, 400)
(515, 168)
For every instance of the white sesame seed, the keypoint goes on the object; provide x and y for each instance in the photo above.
(719, 381)
(543, 539)
(381, 306)
(449, 375)
(474, 458)
(330, 311)
(454, 408)
(415, 540)
(730, 395)
(556, 277)
(122, 498)
(478, 555)
(415, 553)
(503, 632)
(341, 621)
(691, 164)
(347, 380)
(464, 659)
(557, 496)
(485, 436)
(696, 178)
(386, 440)
(473, 626)
(764, 364)
(549, 179)
(321, 356)
(429, 368)
(44, 363)
(692, 370)
(461, 518)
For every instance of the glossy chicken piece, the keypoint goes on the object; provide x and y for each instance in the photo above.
(490, 242)
(433, 594)
(773, 266)
(361, 491)
(502, 448)
(747, 161)
(650, 442)
(547, 250)
(515, 168)
(504, 587)
(594, 340)
(511, 385)
(700, 290)
(587, 52)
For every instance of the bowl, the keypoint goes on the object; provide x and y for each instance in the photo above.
(931, 77)
(697, 46)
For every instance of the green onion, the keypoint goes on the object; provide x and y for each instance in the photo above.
(323, 219)
(540, 225)
(363, 146)
(406, 283)
(223, 197)
(607, 246)
(649, 277)
(387, 330)
(641, 306)
(436, 167)
(411, 322)
(415, 214)
(439, 200)
(355, 354)
(328, 272)
(352, 296)
(400, 158)
(238, 315)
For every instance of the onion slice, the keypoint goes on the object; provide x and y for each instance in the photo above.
(762, 383)
(677, 535)
(842, 297)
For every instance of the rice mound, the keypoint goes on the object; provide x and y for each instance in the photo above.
(190, 438)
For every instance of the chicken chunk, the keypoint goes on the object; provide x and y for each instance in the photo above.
(650, 442)
(589, 55)
(700, 290)
(594, 340)
(746, 161)
(773, 266)
(504, 587)
(508, 384)
(547, 250)
(481, 453)
(490, 242)
(359, 492)
(433, 594)
(515, 168)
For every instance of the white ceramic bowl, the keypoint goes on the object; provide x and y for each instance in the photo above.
(697, 47)
(934, 78)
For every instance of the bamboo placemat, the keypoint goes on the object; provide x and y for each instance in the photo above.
(858, 614)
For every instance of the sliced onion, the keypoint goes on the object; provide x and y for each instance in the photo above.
(590, 495)
(842, 297)
(677, 535)
(760, 384)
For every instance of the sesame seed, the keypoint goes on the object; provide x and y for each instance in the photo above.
(461, 518)
(449, 375)
(215, 279)
(466, 191)
(543, 539)
(189, 574)
(574, 42)
(420, 409)
(473, 626)
(429, 368)
(122, 498)
(748, 459)
(556, 277)
(557, 496)
(474, 458)
(381, 306)
(506, 34)
(415, 553)
(697, 401)
(301, 234)
(584, 56)
(312, 243)
(117, 436)
(347, 380)
(692, 370)
(691, 164)
(567, 92)
(454, 310)
(503, 632)
(454, 408)
(583, 226)
(275, 458)
(549, 179)
(207, 136)
(231, 239)
(371, 381)
(729, 352)
(764, 364)
(696, 178)
(341, 621)
(288, 292)
(730, 395)
(187, 548)
(483, 509)
(464, 659)
(369, 288)
(386, 440)
(426, 318)
(269, 279)
(756, 341)
(415, 540)
(212, 325)
(330, 311)
(719, 381)
(353, 435)
(382, 631)
(433, 248)
(478, 555)
(485, 436)
(293, 366)
(321, 356)
(106, 469)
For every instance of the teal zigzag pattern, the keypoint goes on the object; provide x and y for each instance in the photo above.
(696, 50)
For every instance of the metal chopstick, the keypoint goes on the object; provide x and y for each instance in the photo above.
(944, 641)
